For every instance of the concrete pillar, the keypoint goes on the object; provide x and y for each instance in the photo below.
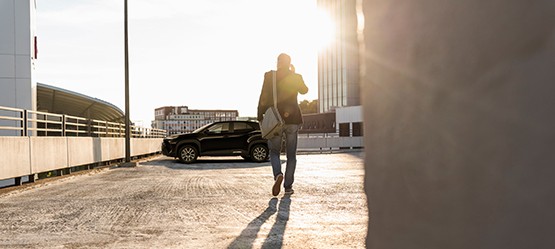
(17, 54)
(459, 109)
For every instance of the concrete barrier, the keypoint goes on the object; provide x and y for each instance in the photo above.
(22, 156)
(81, 151)
(350, 141)
(111, 148)
(329, 142)
(15, 159)
(141, 146)
(48, 153)
(306, 143)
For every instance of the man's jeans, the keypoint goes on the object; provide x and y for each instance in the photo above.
(274, 144)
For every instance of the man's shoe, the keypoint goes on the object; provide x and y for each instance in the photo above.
(289, 191)
(277, 185)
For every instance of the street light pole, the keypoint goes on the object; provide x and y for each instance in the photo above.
(127, 119)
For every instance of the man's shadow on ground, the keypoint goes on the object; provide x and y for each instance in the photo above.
(275, 236)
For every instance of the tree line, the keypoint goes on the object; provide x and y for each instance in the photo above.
(308, 107)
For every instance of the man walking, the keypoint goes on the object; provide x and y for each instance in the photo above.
(288, 85)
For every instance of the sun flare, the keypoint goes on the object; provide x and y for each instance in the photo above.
(310, 29)
(322, 29)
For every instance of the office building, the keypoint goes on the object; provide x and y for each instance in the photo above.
(338, 63)
(181, 119)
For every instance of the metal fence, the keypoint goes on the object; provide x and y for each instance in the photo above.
(20, 122)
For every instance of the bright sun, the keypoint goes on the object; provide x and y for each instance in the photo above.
(310, 27)
(322, 29)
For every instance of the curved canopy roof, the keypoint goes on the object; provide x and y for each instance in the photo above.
(61, 101)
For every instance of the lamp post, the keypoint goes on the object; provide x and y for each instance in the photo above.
(127, 119)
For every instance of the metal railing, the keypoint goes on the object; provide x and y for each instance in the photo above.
(20, 122)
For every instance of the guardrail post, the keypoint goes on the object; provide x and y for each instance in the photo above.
(89, 127)
(63, 125)
(32, 178)
(24, 124)
(45, 123)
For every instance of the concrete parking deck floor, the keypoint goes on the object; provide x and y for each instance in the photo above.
(215, 203)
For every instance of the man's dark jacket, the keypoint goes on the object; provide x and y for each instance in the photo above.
(289, 85)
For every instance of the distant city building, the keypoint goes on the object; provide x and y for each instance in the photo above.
(318, 123)
(339, 102)
(349, 121)
(247, 119)
(181, 119)
(338, 64)
(346, 121)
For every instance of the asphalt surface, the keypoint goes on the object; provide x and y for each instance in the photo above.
(215, 203)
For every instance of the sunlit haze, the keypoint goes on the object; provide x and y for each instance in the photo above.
(202, 54)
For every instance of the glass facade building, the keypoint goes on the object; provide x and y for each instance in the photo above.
(338, 63)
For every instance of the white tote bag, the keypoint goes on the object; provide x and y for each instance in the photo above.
(272, 123)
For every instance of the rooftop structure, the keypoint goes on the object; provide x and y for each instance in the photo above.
(58, 100)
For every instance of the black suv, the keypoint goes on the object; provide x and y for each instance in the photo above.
(225, 138)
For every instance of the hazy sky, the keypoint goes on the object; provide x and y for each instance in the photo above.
(205, 54)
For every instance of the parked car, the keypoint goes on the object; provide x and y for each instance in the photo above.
(224, 138)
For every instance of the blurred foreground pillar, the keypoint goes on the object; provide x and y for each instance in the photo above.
(459, 107)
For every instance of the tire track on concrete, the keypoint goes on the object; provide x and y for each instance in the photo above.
(203, 186)
(162, 205)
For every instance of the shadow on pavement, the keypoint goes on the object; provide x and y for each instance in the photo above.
(209, 163)
(275, 236)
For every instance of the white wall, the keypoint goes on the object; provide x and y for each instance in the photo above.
(349, 114)
(17, 88)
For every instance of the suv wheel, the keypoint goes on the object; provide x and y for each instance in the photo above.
(188, 154)
(259, 153)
